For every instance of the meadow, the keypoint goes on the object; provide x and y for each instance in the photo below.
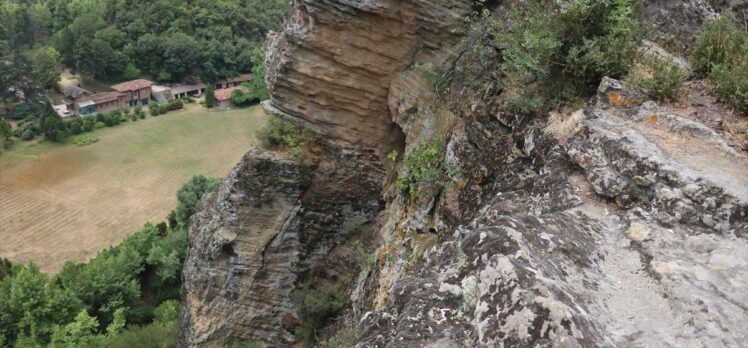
(61, 202)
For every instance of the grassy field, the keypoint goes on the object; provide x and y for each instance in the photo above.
(61, 202)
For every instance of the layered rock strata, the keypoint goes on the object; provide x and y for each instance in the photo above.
(332, 66)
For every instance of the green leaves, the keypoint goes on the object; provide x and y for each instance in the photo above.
(720, 52)
(424, 169)
(558, 51)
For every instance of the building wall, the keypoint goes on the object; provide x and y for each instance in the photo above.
(111, 105)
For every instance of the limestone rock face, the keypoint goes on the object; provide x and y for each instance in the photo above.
(270, 220)
(332, 66)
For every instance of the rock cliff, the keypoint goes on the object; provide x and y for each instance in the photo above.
(269, 221)
(624, 223)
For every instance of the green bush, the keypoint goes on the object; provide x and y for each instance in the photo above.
(99, 125)
(26, 130)
(424, 169)
(555, 52)
(84, 139)
(174, 104)
(88, 124)
(155, 109)
(662, 80)
(721, 52)
(315, 308)
(279, 133)
(188, 99)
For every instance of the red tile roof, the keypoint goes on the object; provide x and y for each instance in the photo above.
(224, 94)
(133, 85)
(99, 98)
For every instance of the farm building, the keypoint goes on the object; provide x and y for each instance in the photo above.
(161, 94)
(234, 81)
(101, 102)
(182, 91)
(137, 92)
(223, 95)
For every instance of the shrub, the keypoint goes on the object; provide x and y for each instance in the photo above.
(555, 52)
(719, 40)
(188, 100)
(174, 104)
(155, 109)
(660, 79)
(99, 125)
(88, 124)
(279, 133)
(84, 139)
(315, 308)
(424, 169)
(720, 52)
(26, 130)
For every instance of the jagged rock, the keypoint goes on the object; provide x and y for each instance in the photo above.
(270, 220)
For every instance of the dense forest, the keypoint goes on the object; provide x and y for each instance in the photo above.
(126, 296)
(118, 39)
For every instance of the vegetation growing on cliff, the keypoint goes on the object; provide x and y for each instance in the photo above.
(721, 53)
(425, 169)
(660, 79)
(552, 53)
(103, 302)
(281, 134)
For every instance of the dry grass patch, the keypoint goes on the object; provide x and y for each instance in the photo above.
(69, 202)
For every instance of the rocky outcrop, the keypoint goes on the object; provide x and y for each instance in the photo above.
(622, 224)
(270, 220)
(332, 66)
(630, 230)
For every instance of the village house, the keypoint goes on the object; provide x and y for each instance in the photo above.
(137, 92)
(223, 95)
(234, 81)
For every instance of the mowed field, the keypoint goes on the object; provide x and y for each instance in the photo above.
(61, 202)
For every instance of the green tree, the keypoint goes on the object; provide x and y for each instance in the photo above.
(46, 67)
(6, 130)
(210, 96)
(52, 126)
(258, 88)
(189, 196)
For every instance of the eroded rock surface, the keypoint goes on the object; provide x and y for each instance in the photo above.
(270, 220)
(630, 233)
